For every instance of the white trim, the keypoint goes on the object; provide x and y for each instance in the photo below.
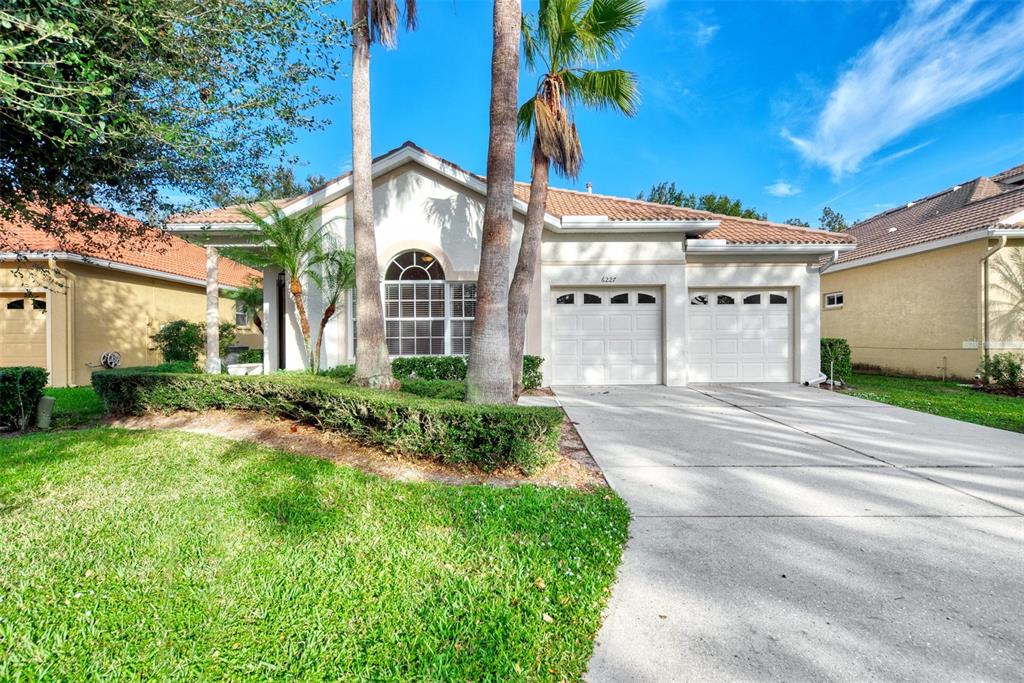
(1004, 345)
(723, 247)
(567, 224)
(984, 233)
(112, 265)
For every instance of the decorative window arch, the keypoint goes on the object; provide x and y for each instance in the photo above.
(424, 313)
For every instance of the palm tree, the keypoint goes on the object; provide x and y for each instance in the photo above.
(568, 38)
(248, 298)
(488, 377)
(338, 276)
(293, 243)
(372, 20)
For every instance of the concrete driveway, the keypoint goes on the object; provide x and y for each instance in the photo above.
(787, 533)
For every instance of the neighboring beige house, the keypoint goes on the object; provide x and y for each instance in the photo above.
(61, 308)
(934, 284)
(629, 292)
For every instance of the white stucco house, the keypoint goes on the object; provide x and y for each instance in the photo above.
(630, 292)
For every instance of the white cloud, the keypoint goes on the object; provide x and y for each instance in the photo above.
(782, 189)
(704, 33)
(655, 4)
(932, 59)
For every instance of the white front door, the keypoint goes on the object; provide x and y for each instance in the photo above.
(606, 335)
(740, 336)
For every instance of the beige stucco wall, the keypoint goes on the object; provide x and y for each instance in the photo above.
(1006, 303)
(911, 315)
(92, 310)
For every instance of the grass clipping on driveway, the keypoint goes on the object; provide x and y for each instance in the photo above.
(139, 555)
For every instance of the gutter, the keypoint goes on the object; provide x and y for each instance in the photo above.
(723, 247)
(112, 265)
(831, 262)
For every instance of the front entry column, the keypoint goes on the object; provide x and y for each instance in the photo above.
(212, 311)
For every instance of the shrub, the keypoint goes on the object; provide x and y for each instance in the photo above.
(345, 373)
(454, 368)
(532, 377)
(251, 356)
(226, 338)
(836, 358)
(448, 389)
(20, 391)
(454, 432)
(1004, 370)
(180, 340)
(430, 367)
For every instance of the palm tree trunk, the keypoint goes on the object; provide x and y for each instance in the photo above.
(328, 314)
(212, 310)
(527, 266)
(300, 312)
(488, 378)
(373, 366)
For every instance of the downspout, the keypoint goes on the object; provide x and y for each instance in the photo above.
(984, 293)
(831, 262)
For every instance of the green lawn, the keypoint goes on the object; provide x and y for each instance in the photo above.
(75, 406)
(164, 555)
(948, 399)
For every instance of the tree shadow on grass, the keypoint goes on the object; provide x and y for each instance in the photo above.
(290, 495)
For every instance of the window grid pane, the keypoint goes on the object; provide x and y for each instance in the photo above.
(462, 314)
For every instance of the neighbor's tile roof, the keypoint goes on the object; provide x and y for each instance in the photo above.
(147, 248)
(574, 203)
(981, 203)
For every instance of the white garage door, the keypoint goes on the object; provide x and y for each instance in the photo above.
(606, 336)
(740, 336)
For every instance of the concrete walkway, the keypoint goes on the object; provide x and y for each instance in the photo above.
(786, 533)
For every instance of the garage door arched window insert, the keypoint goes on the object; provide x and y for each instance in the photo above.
(642, 298)
(776, 298)
(416, 306)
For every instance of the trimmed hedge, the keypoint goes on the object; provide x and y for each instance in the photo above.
(454, 432)
(448, 389)
(453, 368)
(836, 357)
(20, 391)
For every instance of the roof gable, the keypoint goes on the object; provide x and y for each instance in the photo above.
(563, 206)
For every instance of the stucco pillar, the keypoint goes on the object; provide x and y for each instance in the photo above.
(212, 311)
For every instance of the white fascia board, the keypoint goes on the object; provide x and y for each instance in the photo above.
(954, 240)
(605, 225)
(723, 247)
(208, 227)
(112, 265)
(396, 160)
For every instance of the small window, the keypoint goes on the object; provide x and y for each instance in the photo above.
(646, 299)
(834, 300)
(620, 298)
(725, 300)
(569, 298)
(591, 299)
(753, 299)
(38, 305)
(699, 300)
(16, 305)
(775, 298)
(241, 317)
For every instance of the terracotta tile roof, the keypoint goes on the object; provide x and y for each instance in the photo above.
(978, 204)
(574, 203)
(151, 249)
(227, 214)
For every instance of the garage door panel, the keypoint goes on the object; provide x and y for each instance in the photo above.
(646, 322)
(732, 342)
(566, 323)
(618, 343)
(620, 323)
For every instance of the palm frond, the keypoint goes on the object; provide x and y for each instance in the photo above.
(606, 24)
(531, 46)
(292, 242)
(384, 19)
(608, 89)
(524, 123)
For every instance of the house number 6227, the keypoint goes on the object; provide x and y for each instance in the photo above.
(608, 278)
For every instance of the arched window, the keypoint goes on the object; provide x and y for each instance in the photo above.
(424, 314)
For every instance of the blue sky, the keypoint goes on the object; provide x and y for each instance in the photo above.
(789, 106)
